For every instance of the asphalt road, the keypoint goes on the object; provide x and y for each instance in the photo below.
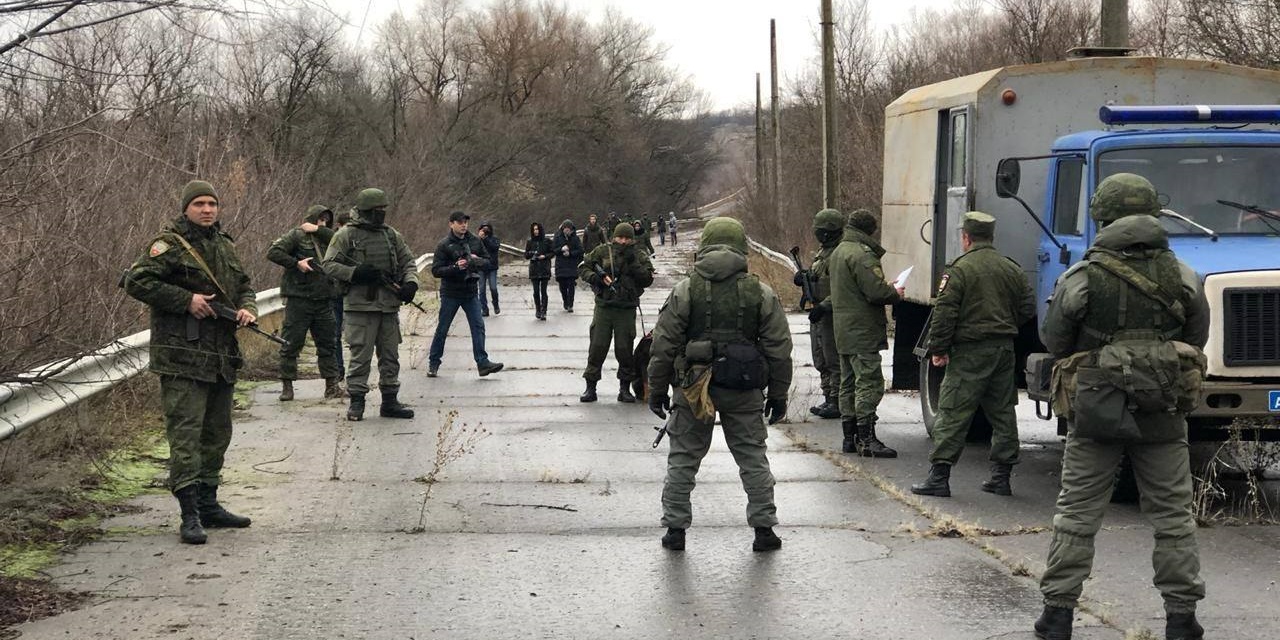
(547, 525)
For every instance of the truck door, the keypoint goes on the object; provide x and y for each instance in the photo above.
(1067, 204)
(953, 196)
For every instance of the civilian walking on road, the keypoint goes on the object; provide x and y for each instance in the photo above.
(489, 275)
(671, 226)
(662, 230)
(459, 259)
(593, 235)
(539, 249)
(569, 252)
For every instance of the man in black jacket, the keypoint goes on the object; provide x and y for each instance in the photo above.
(459, 260)
(489, 276)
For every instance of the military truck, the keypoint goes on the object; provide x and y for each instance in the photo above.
(1217, 170)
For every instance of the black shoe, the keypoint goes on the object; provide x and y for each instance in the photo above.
(496, 310)
(484, 313)
(998, 483)
(391, 407)
(1182, 626)
(569, 309)
(487, 368)
(624, 392)
(355, 410)
(850, 442)
(938, 484)
(433, 370)
(1054, 623)
(590, 394)
(674, 539)
(190, 531)
(869, 446)
(766, 540)
(213, 515)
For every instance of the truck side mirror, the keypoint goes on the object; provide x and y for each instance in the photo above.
(1008, 176)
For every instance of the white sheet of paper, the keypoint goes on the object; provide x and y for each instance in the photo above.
(902, 277)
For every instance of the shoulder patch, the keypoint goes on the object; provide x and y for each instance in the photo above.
(158, 247)
(942, 284)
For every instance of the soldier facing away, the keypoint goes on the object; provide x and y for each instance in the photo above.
(378, 271)
(983, 299)
(190, 266)
(828, 225)
(618, 273)
(859, 295)
(307, 291)
(720, 314)
(1129, 300)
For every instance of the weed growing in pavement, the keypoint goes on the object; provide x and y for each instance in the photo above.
(1229, 491)
(453, 441)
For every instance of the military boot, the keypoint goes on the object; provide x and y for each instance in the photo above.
(391, 407)
(766, 540)
(590, 394)
(1054, 623)
(850, 444)
(1182, 626)
(938, 483)
(286, 394)
(830, 408)
(333, 388)
(355, 411)
(869, 446)
(190, 531)
(624, 392)
(212, 515)
(674, 539)
(999, 481)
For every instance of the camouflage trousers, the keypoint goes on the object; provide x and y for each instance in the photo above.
(822, 344)
(197, 424)
(303, 315)
(616, 325)
(978, 375)
(1163, 472)
(690, 439)
(369, 332)
(861, 385)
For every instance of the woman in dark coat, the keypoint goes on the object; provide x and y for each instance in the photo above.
(489, 277)
(538, 249)
(569, 252)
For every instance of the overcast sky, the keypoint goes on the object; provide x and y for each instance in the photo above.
(721, 44)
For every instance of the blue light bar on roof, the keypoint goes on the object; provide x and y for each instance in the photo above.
(1191, 114)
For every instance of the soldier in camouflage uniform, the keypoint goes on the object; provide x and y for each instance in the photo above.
(308, 292)
(626, 273)
(983, 299)
(190, 265)
(1089, 310)
(827, 227)
(377, 269)
(719, 305)
(859, 295)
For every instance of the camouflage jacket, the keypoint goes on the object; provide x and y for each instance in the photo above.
(982, 295)
(628, 265)
(859, 294)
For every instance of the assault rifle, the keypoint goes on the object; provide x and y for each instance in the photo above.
(602, 273)
(223, 312)
(395, 287)
(806, 283)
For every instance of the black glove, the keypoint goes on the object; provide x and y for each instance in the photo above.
(776, 409)
(365, 274)
(659, 403)
(798, 279)
(817, 313)
(407, 291)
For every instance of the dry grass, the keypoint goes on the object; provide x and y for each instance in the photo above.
(453, 441)
(777, 277)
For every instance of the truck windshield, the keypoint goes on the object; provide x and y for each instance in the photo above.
(1192, 180)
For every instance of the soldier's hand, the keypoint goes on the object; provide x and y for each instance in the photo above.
(817, 313)
(607, 280)
(940, 359)
(304, 265)
(408, 291)
(776, 409)
(309, 227)
(199, 306)
(659, 403)
(902, 291)
(244, 318)
(365, 274)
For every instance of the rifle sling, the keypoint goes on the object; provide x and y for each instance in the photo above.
(1142, 283)
(204, 267)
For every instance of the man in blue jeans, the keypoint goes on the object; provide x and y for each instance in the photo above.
(458, 262)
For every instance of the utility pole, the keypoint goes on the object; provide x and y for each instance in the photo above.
(777, 131)
(760, 174)
(830, 157)
(1115, 23)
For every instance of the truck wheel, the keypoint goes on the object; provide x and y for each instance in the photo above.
(930, 384)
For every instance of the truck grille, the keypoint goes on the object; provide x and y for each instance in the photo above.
(1252, 318)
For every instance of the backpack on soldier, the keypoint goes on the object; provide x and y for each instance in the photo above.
(736, 361)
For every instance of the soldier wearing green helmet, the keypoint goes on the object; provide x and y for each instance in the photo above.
(720, 314)
(372, 262)
(828, 225)
(1130, 295)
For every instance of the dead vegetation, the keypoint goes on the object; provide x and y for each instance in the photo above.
(454, 440)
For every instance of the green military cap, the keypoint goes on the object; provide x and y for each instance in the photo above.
(624, 230)
(863, 220)
(726, 231)
(828, 219)
(1123, 194)
(977, 223)
(371, 199)
(195, 189)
